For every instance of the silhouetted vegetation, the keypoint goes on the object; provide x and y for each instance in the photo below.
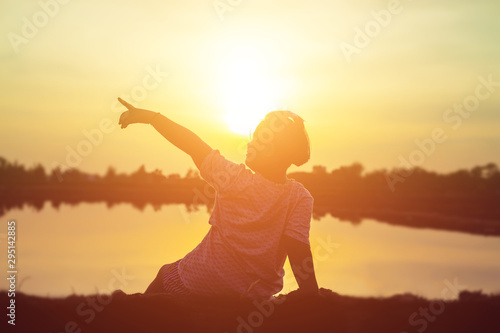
(464, 200)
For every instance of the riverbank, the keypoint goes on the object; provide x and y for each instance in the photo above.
(471, 312)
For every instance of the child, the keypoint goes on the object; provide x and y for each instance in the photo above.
(258, 218)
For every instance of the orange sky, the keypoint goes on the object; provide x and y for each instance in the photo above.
(369, 78)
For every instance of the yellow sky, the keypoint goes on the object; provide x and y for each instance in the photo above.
(369, 78)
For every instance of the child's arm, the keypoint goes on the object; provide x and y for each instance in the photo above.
(300, 257)
(179, 136)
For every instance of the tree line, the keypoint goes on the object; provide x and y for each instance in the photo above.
(479, 180)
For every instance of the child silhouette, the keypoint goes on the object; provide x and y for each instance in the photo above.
(259, 217)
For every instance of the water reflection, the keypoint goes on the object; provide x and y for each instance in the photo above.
(465, 216)
(81, 248)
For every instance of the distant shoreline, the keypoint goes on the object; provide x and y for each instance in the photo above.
(468, 214)
(465, 201)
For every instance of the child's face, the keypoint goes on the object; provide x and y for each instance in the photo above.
(258, 153)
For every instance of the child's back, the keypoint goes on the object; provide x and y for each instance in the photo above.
(243, 246)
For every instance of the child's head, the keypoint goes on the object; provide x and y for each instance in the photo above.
(279, 139)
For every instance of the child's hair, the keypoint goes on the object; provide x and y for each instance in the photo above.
(287, 132)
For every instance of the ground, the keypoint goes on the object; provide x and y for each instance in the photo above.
(472, 312)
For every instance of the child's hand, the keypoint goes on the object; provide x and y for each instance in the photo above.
(134, 115)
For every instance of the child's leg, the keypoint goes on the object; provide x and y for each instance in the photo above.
(172, 281)
(157, 285)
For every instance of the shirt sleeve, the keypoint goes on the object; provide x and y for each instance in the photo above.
(219, 172)
(299, 223)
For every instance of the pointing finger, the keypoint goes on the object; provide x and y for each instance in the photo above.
(126, 104)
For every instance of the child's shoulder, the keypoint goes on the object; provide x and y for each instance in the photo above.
(302, 190)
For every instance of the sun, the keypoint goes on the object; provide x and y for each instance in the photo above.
(248, 98)
(247, 90)
(248, 94)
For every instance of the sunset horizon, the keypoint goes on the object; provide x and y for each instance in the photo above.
(369, 80)
(250, 166)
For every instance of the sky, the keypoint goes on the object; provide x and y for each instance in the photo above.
(382, 83)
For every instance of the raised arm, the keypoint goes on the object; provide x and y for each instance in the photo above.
(178, 135)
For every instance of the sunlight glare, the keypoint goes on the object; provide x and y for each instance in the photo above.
(247, 90)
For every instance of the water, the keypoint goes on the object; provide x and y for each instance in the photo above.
(91, 248)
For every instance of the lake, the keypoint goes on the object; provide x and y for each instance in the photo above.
(91, 248)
